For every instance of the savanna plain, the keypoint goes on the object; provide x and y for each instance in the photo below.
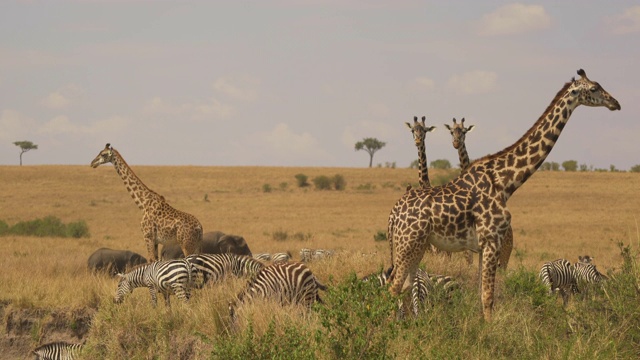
(48, 294)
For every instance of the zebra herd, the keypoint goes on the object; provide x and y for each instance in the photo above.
(561, 276)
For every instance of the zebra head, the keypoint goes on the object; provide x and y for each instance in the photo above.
(124, 288)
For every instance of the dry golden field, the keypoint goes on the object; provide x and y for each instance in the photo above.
(555, 214)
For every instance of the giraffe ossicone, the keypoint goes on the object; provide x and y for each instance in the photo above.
(470, 212)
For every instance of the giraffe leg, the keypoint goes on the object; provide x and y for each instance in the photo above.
(489, 266)
(152, 247)
(507, 247)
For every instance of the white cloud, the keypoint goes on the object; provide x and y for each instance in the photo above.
(473, 82)
(240, 87)
(62, 125)
(626, 23)
(198, 111)
(514, 19)
(14, 126)
(62, 97)
(425, 83)
(284, 141)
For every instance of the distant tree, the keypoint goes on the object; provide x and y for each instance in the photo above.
(370, 145)
(612, 168)
(440, 164)
(570, 165)
(24, 147)
(546, 166)
(635, 168)
(555, 166)
(414, 164)
(584, 167)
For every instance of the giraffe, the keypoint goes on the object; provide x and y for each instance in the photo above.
(459, 133)
(419, 131)
(470, 212)
(160, 221)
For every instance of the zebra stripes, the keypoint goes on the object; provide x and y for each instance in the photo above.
(307, 255)
(216, 267)
(262, 257)
(278, 258)
(587, 273)
(166, 277)
(559, 275)
(290, 283)
(423, 284)
(57, 351)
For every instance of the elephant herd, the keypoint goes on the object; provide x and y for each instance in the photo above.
(118, 261)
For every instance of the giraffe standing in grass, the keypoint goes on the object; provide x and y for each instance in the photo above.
(470, 212)
(459, 133)
(160, 221)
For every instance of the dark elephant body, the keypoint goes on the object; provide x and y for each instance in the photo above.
(114, 261)
(215, 242)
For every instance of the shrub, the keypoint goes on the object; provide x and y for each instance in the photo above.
(635, 168)
(283, 186)
(4, 228)
(280, 235)
(440, 164)
(380, 236)
(339, 183)
(302, 180)
(266, 188)
(358, 320)
(366, 186)
(78, 229)
(322, 182)
(523, 282)
(50, 226)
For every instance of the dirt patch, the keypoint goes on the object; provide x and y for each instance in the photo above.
(26, 329)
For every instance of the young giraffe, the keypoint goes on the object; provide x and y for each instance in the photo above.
(459, 134)
(470, 212)
(160, 221)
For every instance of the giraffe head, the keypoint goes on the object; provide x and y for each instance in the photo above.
(590, 93)
(105, 156)
(419, 130)
(458, 132)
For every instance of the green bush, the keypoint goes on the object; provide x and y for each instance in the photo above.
(358, 320)
(339, 183)
(288, 342)
(322, 182)
(49, 226)
(266, 188)
(302, 180)
(635, 168)
(380, 236)
(280, 235)
(523, 282)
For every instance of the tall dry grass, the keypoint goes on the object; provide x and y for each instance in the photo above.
(554, 215)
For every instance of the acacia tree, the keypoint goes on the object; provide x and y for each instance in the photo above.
(24, 147)
(370, 145)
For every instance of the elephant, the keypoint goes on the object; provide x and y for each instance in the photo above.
(114, 261)
(215, 242)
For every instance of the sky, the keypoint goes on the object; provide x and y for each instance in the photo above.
(298, 83)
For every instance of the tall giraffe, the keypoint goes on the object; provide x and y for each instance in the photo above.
(470, 212)
(459, 134)
(160, 221)
(419, 131)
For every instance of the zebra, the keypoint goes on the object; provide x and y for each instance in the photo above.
(168, 276)
(422, 285)
(287, 283)
(216, 266)
(59, 350)
(322, 254)
(262, 257)
(586, 272)
(306, 255)
(281, 257)
(559, 275)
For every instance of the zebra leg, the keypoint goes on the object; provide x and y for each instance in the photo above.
(154, 295)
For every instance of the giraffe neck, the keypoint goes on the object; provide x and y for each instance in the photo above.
(141, 194)
(423, 168)
(515, 164)
(463, 156)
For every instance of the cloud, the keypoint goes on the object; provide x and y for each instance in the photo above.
(424, 83)
(62, 97)
(62, 125)
(514, 19)
(240, 87)
(284, 141)
(626, 23)
(197, 111)
(14, 126)
(473, 82)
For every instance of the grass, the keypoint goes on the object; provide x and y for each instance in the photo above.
(555, 214)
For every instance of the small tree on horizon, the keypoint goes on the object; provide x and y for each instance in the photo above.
(440, 164)
(24, 147)
(370, 145)
(570, 165)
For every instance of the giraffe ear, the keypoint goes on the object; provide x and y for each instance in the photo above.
(107, 146)
(447, 126)
(408, 125)
(431, 128)
(470, 128)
